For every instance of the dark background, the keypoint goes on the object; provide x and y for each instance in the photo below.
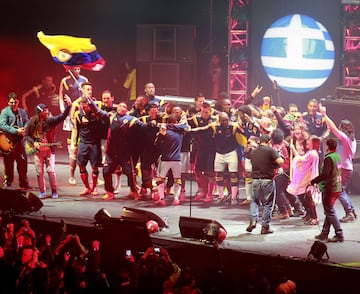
(110, 23)
(112, 26)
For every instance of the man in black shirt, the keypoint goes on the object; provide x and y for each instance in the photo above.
(264, 160)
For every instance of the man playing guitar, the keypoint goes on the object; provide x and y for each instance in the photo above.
(40, 133)
(13, 120)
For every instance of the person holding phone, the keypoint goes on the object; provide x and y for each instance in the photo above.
(156, 272)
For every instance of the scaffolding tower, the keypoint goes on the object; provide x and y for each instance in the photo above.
(238, 50)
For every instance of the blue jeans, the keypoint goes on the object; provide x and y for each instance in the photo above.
(262, 192)
(331, 219)
(344, 197)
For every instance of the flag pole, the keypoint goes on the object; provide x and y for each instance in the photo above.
(75, 80)
(291, 157)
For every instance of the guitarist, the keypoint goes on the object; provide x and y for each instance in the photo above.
(13, 120)
(40, 134)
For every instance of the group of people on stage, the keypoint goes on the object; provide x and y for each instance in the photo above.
(278, 153)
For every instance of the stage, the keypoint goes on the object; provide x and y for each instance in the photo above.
(291, 240)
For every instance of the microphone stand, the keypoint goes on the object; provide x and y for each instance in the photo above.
(191, 179)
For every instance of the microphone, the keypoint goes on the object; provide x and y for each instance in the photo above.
(276, 86)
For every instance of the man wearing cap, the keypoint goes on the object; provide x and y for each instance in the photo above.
(13, 120)
(40, 140)
(264, 160)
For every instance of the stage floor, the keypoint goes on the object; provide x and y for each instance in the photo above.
(291, 238)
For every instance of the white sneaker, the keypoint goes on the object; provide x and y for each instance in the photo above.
(72, 181)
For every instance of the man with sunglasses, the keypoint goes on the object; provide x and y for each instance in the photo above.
(13, 120)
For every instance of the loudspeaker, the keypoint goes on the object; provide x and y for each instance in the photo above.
(344, 109)
(354, 183)
(165, 43)
(129, 213)
(176, 79)
(144, 43)
(185, 36)
(19, 201)
(165, 76)
(187, 80)
(195, 228)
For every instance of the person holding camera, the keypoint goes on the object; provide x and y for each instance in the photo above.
(25, 234)
(156, 272)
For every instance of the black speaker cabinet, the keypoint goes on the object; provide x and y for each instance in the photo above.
(191, 227)
(165, 43)
(344, 109)
(170, 78)
(354, 183)
(141, 215)
(18, 201)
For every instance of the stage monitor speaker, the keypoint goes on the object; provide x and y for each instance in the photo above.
(195, 228)
(18, 201)
(141, 215)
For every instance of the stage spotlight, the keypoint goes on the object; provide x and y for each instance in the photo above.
(102, 216)
(318, 249)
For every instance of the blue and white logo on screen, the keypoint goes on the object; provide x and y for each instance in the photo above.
(298, 53)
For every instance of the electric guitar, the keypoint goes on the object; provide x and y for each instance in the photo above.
(8, 142)
(30, 148)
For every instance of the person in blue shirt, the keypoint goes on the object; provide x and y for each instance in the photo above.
(13, 120)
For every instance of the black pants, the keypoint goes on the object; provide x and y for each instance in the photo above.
(18, 155)
(109, 168)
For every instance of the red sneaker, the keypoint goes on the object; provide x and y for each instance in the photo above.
(108, 196)
(160, 202)
(85, 192)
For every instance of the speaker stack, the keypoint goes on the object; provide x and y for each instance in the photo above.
(165, 56)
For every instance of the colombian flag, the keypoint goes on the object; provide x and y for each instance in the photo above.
(72, 51)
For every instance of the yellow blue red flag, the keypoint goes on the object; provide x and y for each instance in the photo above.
(72, 51)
